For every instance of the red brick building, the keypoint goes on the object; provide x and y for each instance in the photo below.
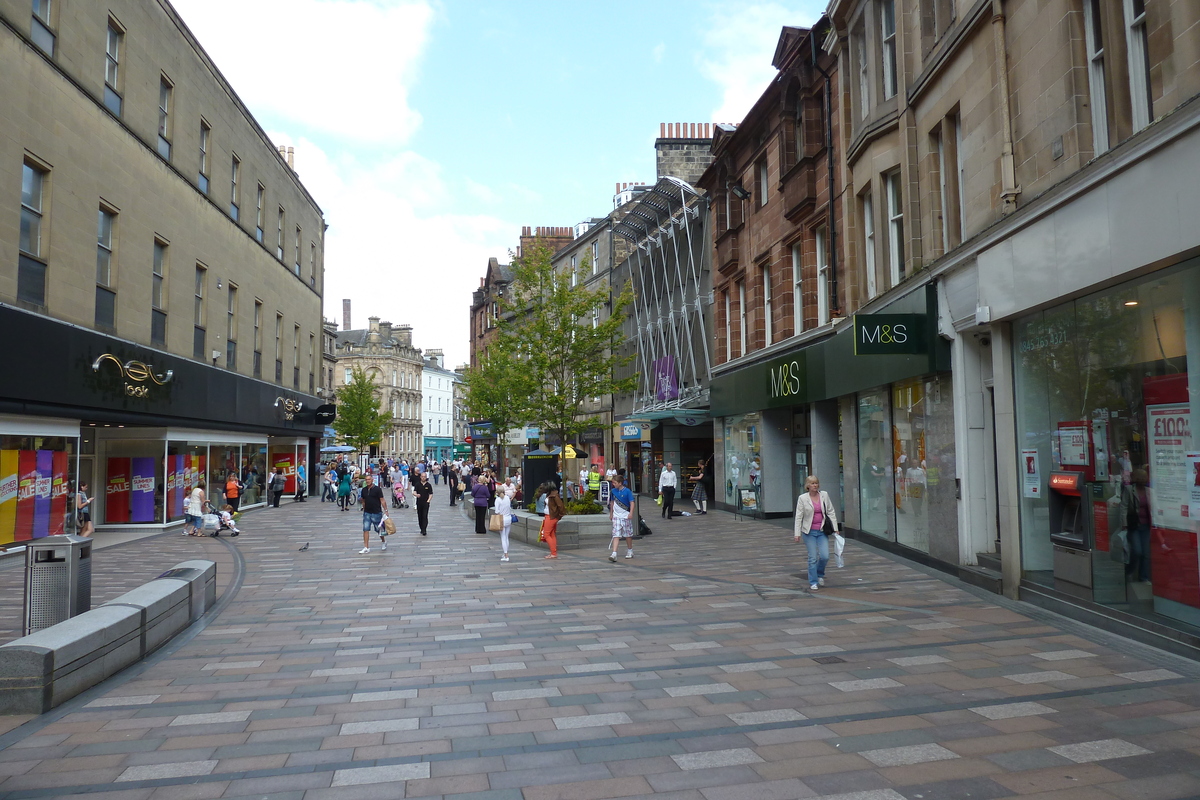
(777, 255)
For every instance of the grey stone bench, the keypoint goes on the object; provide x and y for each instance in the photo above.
(49, 667)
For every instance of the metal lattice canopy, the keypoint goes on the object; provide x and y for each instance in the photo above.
(669, 235)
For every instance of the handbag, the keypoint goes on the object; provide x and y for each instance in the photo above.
(513, 518)
(542, 531)
(388, 525)
(827, 523)
(495, 522)
(462, 487)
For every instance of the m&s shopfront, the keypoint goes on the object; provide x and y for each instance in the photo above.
(139, 428)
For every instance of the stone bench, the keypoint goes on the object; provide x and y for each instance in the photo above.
(45, 669)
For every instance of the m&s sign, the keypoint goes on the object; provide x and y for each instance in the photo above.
(889, 334)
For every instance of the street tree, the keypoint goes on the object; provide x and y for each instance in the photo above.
(360, 422)
(497, 390)
(560, 338)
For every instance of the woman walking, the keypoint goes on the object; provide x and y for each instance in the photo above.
(195, 510)
(83, 508)
(505, 510)
(815, 521)
(424, 492)
(700, 492)
(343, 493)
(555, 510)
(480, 495)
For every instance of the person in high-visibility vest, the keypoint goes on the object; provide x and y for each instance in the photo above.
(594, 479)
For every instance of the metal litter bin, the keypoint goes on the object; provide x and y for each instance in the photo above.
(58, 580)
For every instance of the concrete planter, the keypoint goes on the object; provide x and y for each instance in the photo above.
(575, 531)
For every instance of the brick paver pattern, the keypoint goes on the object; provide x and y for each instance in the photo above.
(701, 669)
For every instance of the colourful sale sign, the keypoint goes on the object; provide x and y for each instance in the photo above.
(117, 491)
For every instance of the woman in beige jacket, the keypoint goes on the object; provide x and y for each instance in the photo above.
(813, 508)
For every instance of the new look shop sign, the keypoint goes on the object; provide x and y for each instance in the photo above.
(889, 334)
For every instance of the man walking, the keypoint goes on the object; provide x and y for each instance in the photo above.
(622, 510)
(668, 481)
(278, 482)
(372, 506)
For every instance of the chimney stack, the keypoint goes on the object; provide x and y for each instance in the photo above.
(291, 158)
(373, 324)
(345, 315)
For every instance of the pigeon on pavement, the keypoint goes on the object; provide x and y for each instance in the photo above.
(305, 546)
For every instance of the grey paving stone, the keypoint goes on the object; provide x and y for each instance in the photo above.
(717, 758)
(1098, 750)
(1021, 760)
(357, 776)
(177, 769)
(907, 755)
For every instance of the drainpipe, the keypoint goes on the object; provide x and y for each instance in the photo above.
(1008, 173)
(834, 305)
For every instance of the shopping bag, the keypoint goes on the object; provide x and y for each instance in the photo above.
(513, 519)
(542, 531)
(1118, 547)
(839, 544)
(659, 500)
(210, 522)
(388, 526)
(495, 522)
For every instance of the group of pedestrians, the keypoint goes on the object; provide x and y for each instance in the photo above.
(668, 484)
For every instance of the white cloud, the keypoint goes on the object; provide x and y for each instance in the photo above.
(335, 66)
(658, 52)
(737, 50)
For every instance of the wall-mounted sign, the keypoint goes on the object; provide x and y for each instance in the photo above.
(139, 377)
(666, 387)
(325, 414)
(631, 430)
(532, 432)
(889, 334)
(290, 407)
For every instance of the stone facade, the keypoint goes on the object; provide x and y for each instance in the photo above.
(226, 296)
(682, 150)
(387, 355)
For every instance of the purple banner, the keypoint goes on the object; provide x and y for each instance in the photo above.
(141, 502)
(41, 494)
(665, 385)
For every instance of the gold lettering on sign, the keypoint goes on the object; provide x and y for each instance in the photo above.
(136, 375)
(290, 407)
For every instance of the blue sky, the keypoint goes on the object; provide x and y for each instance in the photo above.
(430, 132)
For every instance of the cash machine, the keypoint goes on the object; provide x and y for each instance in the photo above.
(1073, 490)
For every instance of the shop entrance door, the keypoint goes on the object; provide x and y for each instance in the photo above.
(801, 465)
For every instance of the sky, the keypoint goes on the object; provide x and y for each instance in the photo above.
(431, 131)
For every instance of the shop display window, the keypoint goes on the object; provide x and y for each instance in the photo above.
(36, 486)
(186, 464)
(743, 462)
(1108, 467)
(132, 476)
(254, 470)
(875, 452)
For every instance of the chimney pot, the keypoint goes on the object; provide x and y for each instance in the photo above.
(662, 130)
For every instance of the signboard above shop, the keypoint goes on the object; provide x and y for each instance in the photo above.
(889, 334)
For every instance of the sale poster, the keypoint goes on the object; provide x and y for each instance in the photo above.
(1100, 524)
(8, 495)
(59, 490)
(1073, 445)
(1193, 465)
(1031, 473)
(1169, 427)
(141, 501)
(26, 493)
(116, 491)
(41, 492)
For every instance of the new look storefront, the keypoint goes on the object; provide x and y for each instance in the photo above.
(869, 410)
(137, 426)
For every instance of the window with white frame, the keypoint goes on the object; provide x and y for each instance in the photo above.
(741, 287)
(764, 193)
(202, 177)
(231, 328)
(106, 297)
(158, 295)
(279, 236)
(864, 76)
(895, 212)
(349, 375)
(40, 31)
(114, 44)
(868, 217)
(258, 213)
(258, 340)
(1093, 36)
(595, 257)
(31, 264)
(820, 239)
(767, 311)
(728, 329)
(298, 237)
(1139, 63)
(887, 40)
(797, 288)
(234, 199)
(199, 318)
(165, 92)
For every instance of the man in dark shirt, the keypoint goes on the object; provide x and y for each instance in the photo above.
(372, 506)
(424, 492)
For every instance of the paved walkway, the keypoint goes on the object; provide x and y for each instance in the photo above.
(698, 670)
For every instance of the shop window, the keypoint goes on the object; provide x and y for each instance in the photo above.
(876, 495)
(743, 462)
(37, 475)
(1102, 389)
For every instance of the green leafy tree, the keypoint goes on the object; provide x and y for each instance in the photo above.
(498, 391)
(561, 342)
(360, 422)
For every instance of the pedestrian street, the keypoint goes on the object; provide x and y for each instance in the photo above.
(700, 669)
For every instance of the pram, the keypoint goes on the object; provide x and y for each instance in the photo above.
(225, 521)
(398, 498)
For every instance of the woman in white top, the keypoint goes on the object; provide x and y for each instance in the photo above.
(813, 508)
(504, 509)
(195, 510)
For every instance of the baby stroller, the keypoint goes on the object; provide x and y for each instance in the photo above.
(398, 498)
(224, 521)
